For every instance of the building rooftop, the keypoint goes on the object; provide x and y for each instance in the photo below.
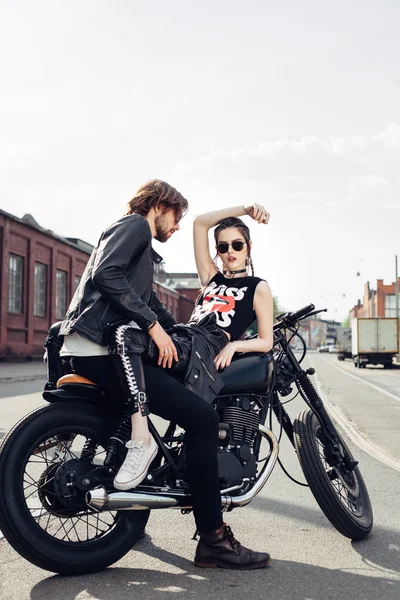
(30, 221)
(182, 283)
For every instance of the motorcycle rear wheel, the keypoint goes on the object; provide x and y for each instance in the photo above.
(72, 540)
(342, 495)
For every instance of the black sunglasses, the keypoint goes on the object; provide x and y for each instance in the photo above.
(223, 247)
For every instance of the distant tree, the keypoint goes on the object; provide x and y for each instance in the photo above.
(277, 309)
(253, 329)
(346, 322)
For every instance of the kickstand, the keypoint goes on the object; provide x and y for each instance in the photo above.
(196, 533)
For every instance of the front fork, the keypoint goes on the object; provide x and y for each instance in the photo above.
(335, 452)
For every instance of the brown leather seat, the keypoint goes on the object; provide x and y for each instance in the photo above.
(73, 378)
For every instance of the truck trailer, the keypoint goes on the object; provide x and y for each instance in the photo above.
(343, 343)
(374, 341)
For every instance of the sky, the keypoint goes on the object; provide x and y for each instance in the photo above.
(292, 105)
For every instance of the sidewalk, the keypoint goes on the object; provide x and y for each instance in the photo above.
(22, 371)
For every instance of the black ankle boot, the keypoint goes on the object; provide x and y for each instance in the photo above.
(220, 549)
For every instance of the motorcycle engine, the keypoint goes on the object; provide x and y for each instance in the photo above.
(239, 421)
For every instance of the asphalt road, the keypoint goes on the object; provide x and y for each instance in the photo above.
(311, 560)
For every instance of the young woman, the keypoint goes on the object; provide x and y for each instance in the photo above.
(232, 295)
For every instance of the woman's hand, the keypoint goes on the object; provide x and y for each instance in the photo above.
(166, 347)
(223, 359)
(257, 212)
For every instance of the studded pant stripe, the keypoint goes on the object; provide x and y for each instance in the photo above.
(130, 375)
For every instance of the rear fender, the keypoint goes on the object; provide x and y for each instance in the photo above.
(77, 391)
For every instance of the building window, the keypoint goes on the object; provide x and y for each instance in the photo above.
(77, 281)
(15, 283)
(61, 294)
(390, 305)
(39, 305)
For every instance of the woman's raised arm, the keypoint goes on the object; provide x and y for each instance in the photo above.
(201, 225)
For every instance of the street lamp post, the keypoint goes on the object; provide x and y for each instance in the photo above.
(397, 298)
(397, 291)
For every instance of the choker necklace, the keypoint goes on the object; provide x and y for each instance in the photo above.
(234, 272)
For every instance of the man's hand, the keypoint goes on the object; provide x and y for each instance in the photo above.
(166, 347)
(257, 212)
(223, 359)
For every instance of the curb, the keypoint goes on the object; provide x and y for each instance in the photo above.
(353, 434)
(22, 378)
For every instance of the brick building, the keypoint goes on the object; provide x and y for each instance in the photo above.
(376, 303)
(318, 332)
(186, 285)
(39, 273)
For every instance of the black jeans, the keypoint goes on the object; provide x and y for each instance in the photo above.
(169, 399)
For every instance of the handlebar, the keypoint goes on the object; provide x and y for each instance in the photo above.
(291, 318)
(302, 312)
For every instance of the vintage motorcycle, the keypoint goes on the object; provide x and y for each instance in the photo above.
(58, 507)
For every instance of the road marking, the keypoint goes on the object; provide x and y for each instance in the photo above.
(376, 387)
(353, 434)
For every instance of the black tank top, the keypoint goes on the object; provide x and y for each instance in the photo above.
(232, 301)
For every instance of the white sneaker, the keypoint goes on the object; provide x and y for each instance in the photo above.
(136, 464)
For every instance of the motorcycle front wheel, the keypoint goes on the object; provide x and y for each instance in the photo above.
(43, 514)
(340, 492)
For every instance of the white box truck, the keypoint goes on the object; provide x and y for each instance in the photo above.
(343, 343)
(374, 341)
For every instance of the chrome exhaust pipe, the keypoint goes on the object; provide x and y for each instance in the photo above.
(100, 500)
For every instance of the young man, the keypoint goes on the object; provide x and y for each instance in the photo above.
(116, 286)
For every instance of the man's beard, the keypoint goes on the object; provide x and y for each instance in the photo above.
(162, 234)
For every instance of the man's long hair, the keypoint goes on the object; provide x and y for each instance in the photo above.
(154, 193)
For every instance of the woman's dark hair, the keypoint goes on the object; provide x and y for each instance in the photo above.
(244, 230)
(156, 192)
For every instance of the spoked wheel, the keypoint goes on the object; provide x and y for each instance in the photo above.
(340, 491)
(48, 462)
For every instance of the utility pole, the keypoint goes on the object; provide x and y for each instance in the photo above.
(397, 296)
(397, 291)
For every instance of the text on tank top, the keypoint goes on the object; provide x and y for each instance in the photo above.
(232, 301)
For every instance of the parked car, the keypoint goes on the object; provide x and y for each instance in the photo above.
(333, 349)
(323, 349)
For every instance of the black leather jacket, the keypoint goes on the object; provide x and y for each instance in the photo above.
(117, 283)
(206, 341)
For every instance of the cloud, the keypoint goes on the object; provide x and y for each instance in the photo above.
(390, 136)
(12, 153)
(331, 171)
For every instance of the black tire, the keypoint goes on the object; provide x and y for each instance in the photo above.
(23, 529)
(353, 522)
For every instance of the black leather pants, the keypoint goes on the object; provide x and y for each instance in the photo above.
(129, 346)
(169, 399)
